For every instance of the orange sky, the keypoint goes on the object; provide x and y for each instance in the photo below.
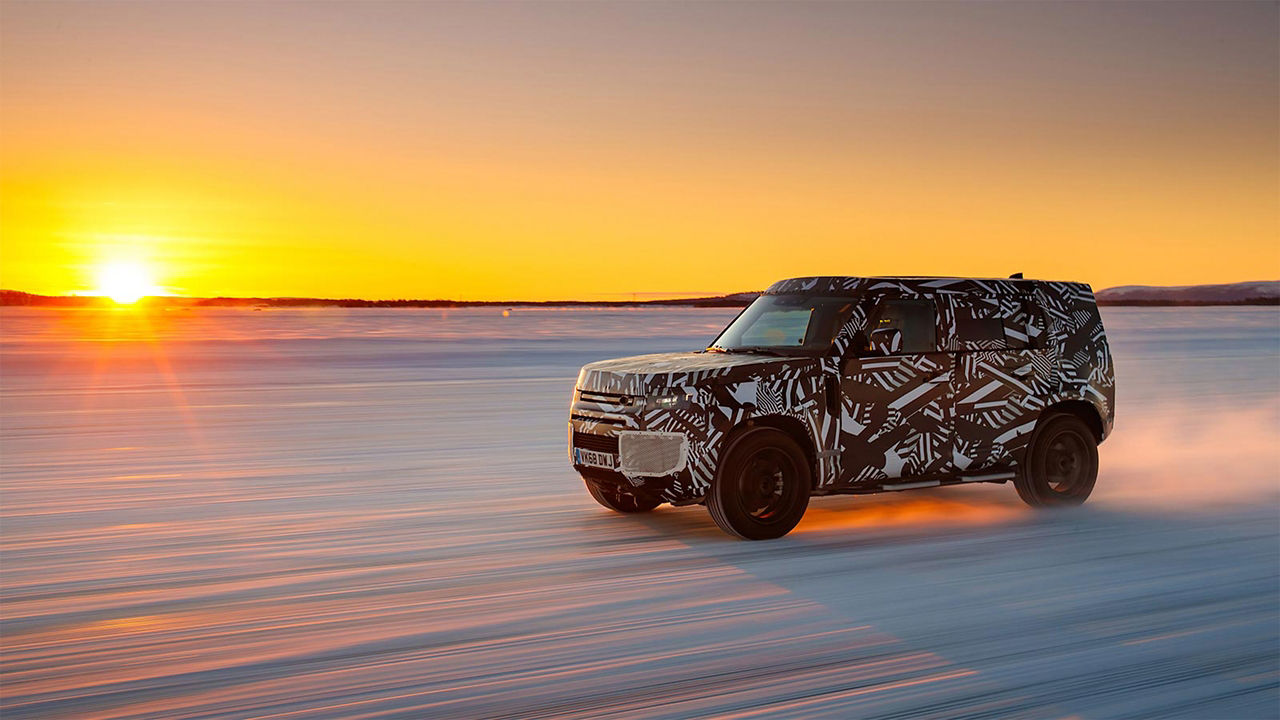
(535, 151)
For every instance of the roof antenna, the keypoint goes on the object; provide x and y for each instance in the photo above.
(1016, 276)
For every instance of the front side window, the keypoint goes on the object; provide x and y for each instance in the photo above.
(915, 319)
(786, 324)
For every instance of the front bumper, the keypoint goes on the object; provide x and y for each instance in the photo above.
(612, 439)
(631, 453)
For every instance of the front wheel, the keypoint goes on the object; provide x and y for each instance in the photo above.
(1061, 465)
(620, 499)
(762, 489)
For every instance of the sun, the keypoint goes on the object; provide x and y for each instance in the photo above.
(125, 282)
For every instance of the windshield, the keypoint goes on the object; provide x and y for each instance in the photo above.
(786, 324)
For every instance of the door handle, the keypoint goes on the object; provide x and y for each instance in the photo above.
(940, 378)
(1025, 370)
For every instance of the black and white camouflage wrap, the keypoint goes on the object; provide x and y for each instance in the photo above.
(870, 421)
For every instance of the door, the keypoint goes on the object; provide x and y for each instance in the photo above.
(1002, 376)
(896, 401)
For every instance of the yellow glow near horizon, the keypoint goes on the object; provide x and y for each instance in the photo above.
(634, 151)
(125, 281)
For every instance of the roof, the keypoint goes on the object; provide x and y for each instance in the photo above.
(844, 284)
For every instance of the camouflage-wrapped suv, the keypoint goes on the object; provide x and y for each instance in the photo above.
(844, 385)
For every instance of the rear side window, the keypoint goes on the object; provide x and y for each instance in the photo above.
(914, 318)
(974, 329)
(1004, 323)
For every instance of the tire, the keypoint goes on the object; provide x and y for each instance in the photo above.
(619, 499)
(1061, 463)
(762, 487)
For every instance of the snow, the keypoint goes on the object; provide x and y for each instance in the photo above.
(358, 513)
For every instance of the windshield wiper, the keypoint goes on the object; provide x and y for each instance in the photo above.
(750, 350)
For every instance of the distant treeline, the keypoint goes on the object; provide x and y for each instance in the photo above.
(15, 297)
(727, 301)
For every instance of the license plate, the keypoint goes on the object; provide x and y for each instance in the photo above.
(595, 459)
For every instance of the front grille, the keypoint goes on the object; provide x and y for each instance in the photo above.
(599, 443)
(604, 398)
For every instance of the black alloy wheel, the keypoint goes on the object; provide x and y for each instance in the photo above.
(1061, 464)
(762, 489)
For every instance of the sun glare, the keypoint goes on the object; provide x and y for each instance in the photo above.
(125, 282)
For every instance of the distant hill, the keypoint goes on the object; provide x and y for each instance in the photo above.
(1263, 292)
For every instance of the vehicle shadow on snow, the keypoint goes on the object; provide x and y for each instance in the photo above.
(867, 520)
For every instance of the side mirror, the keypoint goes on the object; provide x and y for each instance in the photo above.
(885, 341)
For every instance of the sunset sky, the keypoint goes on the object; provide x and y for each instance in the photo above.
(575, 150)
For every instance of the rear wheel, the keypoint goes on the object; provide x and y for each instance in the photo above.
(1061, 465)
(762, 489)
(619, 499)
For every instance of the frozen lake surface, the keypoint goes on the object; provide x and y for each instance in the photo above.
(369, 513)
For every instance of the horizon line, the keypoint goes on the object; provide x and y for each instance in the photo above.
(728, 299)
(657, 296)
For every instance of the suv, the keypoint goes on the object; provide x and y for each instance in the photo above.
(849, 385)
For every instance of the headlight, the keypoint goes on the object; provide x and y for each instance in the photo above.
(669, 400)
